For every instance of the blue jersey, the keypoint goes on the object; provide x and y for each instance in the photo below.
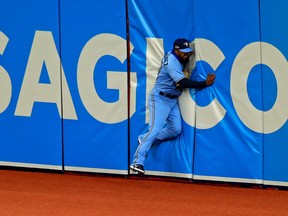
(170, 72)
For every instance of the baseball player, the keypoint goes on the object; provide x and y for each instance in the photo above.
(163, 103)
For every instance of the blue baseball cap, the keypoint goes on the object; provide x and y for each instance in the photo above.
(182, 45)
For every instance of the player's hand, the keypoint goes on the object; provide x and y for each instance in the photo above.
(179, 87)
(210, 79)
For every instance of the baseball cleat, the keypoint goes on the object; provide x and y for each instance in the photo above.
(138, 168)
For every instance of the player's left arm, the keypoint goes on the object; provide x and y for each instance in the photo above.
(186, 83)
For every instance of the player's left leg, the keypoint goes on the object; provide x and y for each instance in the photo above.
(159, 108)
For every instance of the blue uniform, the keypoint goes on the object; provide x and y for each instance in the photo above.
(163, 107)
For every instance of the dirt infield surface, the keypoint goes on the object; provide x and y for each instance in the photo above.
(26, 193)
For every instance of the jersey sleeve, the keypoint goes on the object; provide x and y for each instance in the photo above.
(175, 70)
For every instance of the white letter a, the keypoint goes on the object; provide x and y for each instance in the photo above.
(44, 51)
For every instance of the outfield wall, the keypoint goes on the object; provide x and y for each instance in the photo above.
(72, 72)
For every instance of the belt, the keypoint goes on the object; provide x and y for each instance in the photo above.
(168, 95)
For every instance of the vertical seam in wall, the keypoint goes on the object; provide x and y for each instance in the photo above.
(262, 87)
(194, 130)
(61, 87)
(128, 82)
